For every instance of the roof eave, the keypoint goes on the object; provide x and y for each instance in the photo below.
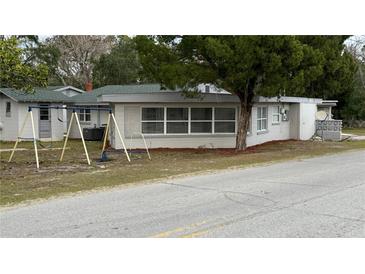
(12, 98)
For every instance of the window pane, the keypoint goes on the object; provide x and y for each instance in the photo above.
(177, 114)
(87, 117)
(264, 112)
(177, 127)
(259, 113)
(82, 117)
(152, 114)
(264, 124)
(201, 113)
(258, 125)
(224, 114)
(152, 127)
(224, 127)
(44, 114)
(201, 127)
(8, 107)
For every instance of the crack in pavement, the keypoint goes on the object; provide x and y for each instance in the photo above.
(272, 210)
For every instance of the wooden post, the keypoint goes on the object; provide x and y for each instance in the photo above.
(19, 134)
(120, 136)
(105, 135)
(145, 144)
(68, 133)
(34, 139)
(82, 138)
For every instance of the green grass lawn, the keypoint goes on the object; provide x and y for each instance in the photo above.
(20, 181)
(356, 131)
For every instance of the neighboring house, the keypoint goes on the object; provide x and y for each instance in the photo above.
(50, 123)
(91, 113)
(167, 119)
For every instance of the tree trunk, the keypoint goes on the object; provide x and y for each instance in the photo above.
(243, 124)
(246, 102)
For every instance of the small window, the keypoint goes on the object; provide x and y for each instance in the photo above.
(153, 120)
(177, 120)
(85, 115)
(276, 115)
(224, 120)
(8, 109)
(207, 88)
(261, 119)
(201, 120)
(44, 113)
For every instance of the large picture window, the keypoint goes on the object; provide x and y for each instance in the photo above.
(201, 120)
(261, 119)
(177, 120)
(153, 120)
(224, 120)
(186, 120)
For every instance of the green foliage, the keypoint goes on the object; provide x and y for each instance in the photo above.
(338, 67)
(16, 70)
(120, 66)
(354, 105)
(242, 65)
(249, 65)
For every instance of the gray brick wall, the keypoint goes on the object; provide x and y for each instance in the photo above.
(329, 129)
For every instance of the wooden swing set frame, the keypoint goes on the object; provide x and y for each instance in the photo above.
(74, 116)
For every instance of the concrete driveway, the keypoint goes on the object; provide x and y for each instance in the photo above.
(318, 197)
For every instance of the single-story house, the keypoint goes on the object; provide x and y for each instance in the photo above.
(168, 119)
(49, 123)
(165, 117)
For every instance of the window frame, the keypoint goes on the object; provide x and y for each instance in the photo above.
(260, 109)
(202, 121)
(274, 114)
(189, 121)
(82, 115)
(176, 121)
(154, 121)
(8, 113)
(230, 121)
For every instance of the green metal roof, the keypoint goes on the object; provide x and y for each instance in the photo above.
(91, 97)
(48, 94)
(142, 88)
(51, 94)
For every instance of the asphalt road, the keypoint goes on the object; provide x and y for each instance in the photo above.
(318, 197)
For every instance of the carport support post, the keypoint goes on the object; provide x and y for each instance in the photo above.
(34, 139)
(82, 138)
(68, 133)
(120, 137)
(19, 134)
(106, 134)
